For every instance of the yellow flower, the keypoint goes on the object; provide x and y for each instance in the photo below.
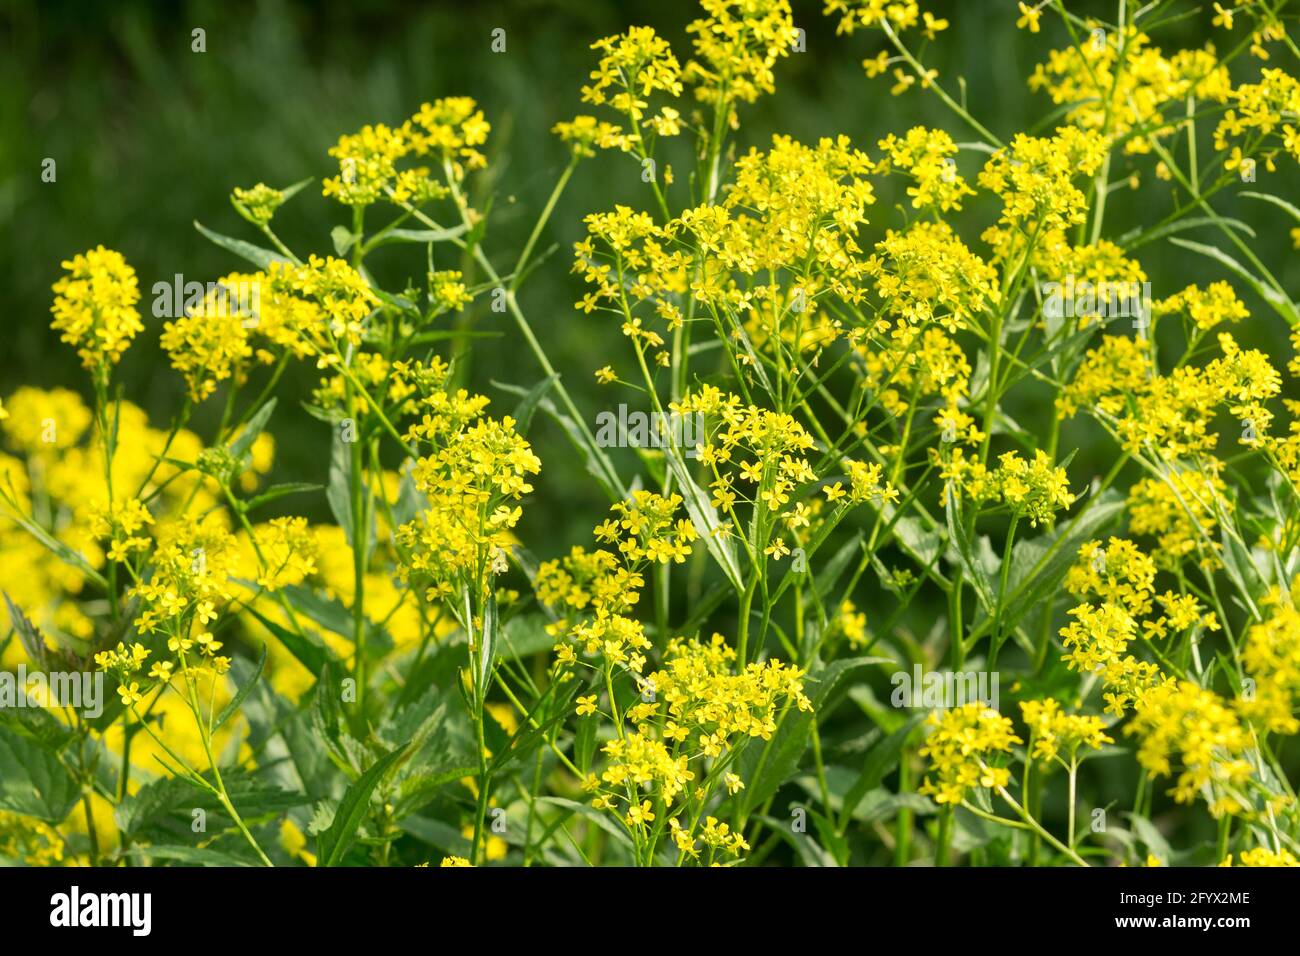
(960, 745)
(94, 306)
(1029, 17)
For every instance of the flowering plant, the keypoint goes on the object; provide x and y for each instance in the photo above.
(415, 680)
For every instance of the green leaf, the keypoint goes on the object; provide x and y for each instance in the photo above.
(33, 781)
(966, 555)
(56, 547)
(599, 817)
(1039, 564)
(598, 463)
(335, 842)
(248, 434)
(231, 708)
(328, 613)
(39, 725)
(1137, 239)
(165, 807)
(262, 258)
(310, 651)
(523, 413)
(417, 790)
(280, 491)
(1153, 839)
(771, 763)
(343, 239)
(191, 855)
(487, 652)
(881, 759)
(524, 636)
(1269, 293)
(420, 235)
(825, 580)
(339, 490)
(28, 633)
(410, 499)
(705, 518)
(1290, 208)
(584, 742)
(288, 192)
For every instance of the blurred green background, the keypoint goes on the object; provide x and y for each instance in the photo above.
(149, 136)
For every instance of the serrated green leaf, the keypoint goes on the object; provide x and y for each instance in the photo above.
(335, 842)
(33, 781)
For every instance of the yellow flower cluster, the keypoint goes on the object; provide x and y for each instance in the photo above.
(59, 483)
(926, 156)
(316, 307)
(701, 693)
(475, 467)
(1052, 732)
(45, 422)
(964, 745)
(646, 529)
(1033, 489)
(586, 582)
(635, 264)
(595, 591)
(736, 46)
(1263, 856)
(1191, 729)
(1172, 414)
(695, 710)
(1258, 110)
(1034, 176)
(1271, 656)
(211, 343)
(794, 208)
(120, 525)
(1207, 307)
(926, 272)
(286, 550)
(767, 451)
(258, 203)
(1097, 642)
(94, 306)
(1182, 510)
(450, 129)
(899, 14)
(913, 365)
(1119, 101)
(1118, 573)
(632, 66)
(192, 568)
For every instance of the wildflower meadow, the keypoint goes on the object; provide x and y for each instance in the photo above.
(926, 492)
